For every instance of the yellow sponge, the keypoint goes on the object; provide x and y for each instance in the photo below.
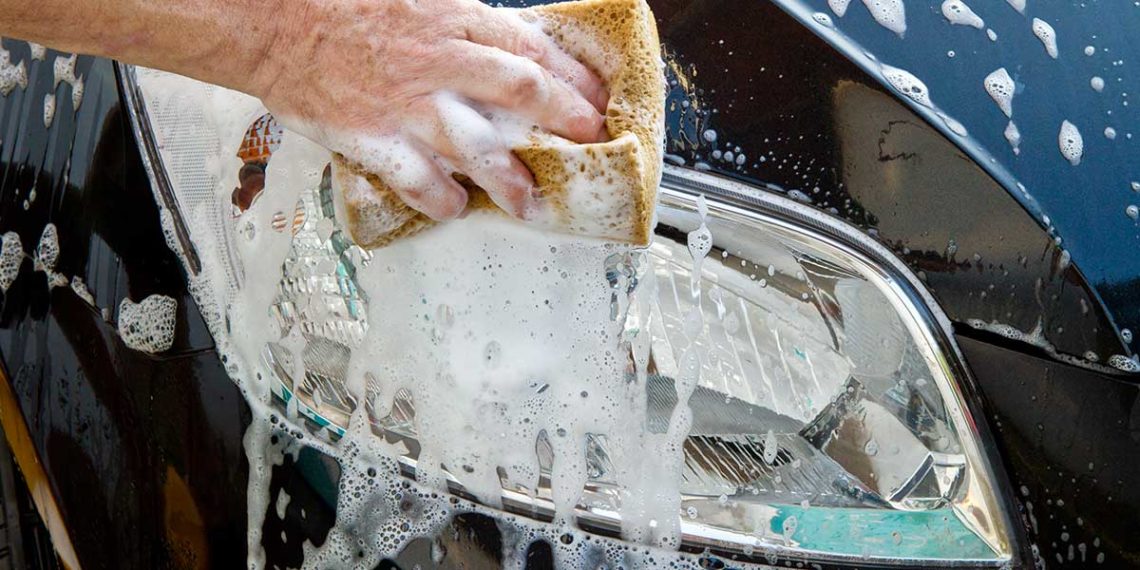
(606, 190)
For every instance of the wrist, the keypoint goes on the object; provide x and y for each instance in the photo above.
(278, 37)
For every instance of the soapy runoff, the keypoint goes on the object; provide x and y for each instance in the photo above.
(506, 337)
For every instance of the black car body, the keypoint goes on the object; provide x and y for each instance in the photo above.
(136, 460)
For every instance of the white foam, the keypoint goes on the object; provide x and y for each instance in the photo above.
(1110, 133)
(63, 69)
(1097, 83)
(1018, 5)
(1090, 51)
(822, 19)
(11, 76)
(1013, 136)
(1071, 143)
(11, 258)
(77, 88)
(1047, 35)
(49, 109)
(906, 83)
(890, 14)
(992, 35)
(958, 13)
(1000, 87)
(80, 289)
(38, 51)
(47, 251)
(148, 326)
(838, 6)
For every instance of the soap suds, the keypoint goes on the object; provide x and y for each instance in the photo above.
(76, 94)
(1000, 87)
(11, 258)
(1018, 5)
(890, 14)
(1013, 136)
(148, 326)
(38, 51)
(1071, 143)
(49, 109)
(958, 13)
(1047, 35)
(63, 69)
(11, 76)
(906, 83)
(47, 251)
(838, 6)
(80, 289)
(1097, 83)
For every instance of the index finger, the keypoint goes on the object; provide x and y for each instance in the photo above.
(505, 29)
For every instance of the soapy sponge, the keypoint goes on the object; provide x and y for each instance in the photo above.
(606, 190)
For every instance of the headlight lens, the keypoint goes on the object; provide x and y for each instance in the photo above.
(827, 421)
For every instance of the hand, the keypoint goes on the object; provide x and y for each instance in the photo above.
(394, 85)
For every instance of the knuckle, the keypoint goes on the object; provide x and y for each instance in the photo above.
(528, 86)
(530, 46)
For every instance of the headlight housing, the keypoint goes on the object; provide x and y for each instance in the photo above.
(828, 423)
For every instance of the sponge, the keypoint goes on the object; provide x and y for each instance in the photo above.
(604, 190)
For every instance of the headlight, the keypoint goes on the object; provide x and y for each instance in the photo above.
(827, 422)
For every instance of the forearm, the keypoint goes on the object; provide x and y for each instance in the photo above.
(222, 42)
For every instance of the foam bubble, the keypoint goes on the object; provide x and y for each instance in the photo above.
(1097, 83)
(49, 109)
(11, 258)
(63, 69)
(1110, 133)
(38, 50)
(906, 83)
(80, 289)
(77, 88)
(838, 6)
(47, 252)
(890, 14)
(1090, 51)
(1047, 35)
(1071, 143)
(822, 19)
(148, 326)
(1121, 362)
(958, 13)
(1018, 5)
(992, 35)
(11, 76)
(1013, 136)
(1000, 87)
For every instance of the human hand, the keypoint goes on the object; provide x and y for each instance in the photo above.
(394, 86)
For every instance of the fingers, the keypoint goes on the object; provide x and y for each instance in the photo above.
(506, 30)
(492, 76)
(413, 176)
(470, 142)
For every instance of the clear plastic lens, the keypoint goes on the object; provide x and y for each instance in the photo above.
(826, 419)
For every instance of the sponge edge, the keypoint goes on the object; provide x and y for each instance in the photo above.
(606, 190)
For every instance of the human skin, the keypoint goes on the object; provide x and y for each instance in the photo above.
(384, 82)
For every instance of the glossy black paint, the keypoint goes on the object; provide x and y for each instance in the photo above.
(1070, 438)
(145, 452)
(1086, 204)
